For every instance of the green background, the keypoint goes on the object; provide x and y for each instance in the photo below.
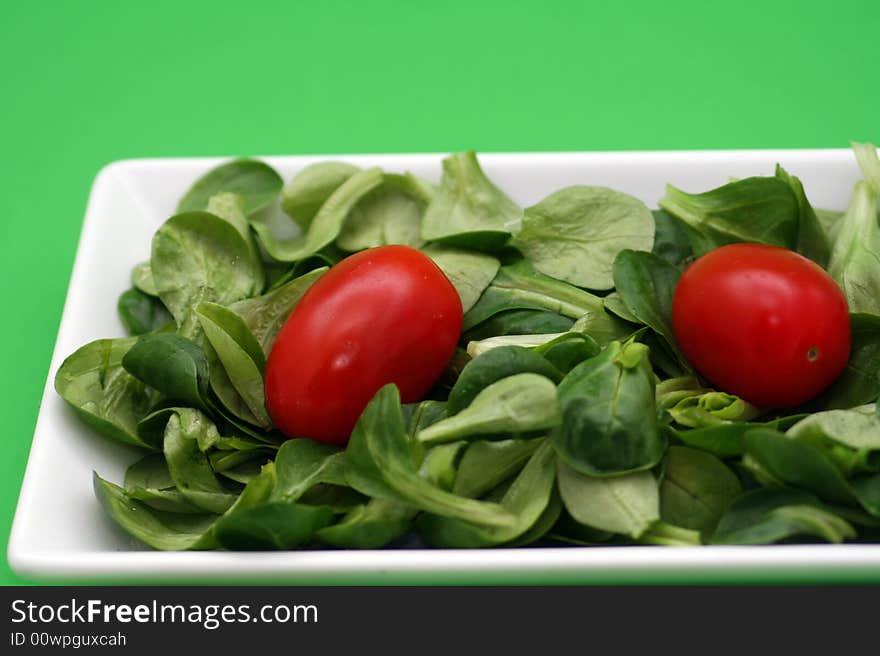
(85, 83)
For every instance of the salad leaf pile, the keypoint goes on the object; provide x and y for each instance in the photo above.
(569, 414)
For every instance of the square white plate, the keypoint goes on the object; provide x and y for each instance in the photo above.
(60, 530)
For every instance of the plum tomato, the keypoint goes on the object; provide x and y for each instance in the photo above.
(762, 322)
(384, 315)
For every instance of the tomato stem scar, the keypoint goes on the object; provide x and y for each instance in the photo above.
(813, 354)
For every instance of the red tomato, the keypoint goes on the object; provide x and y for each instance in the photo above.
(385, 315)
(763, 323)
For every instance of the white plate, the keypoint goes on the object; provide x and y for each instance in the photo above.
(60, 530)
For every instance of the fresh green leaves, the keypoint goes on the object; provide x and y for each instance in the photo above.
(389, 214)
(566, 415)
(272, 526)
(519, 322)
(186, 432)
(646, 283)
(309, 189)
(609, 422)
(327, 223)
(171, 364)
(301, 464)
(869, 163)
(526, 500)
(710, 409)
(256, 182)
(198, 257)
(468, 210)
(169, 530)
(798, 464)
(161, 530)
(486, 464)
(860, 381)
(812, 240)
(369, 526)
(628, 504)
(671, 241)
(575, 233)
(696, 489)
(775, 210)
(757, 209)
(150, 481)
(771, 515)
(141, 313)
(855, 258)
(518, 286)
(517, 404)
(380, 461)
(850, 438)
(142, 279)
(264, 315)
(470, 272)
(94, 383)
(491, 367)
(240, 354)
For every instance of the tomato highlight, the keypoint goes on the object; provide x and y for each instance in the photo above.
(384, 315)
(762, 322)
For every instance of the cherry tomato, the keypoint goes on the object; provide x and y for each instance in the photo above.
(763, 323)
(384, 315)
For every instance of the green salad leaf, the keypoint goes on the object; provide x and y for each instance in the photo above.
(609, 422)
(327, 223)
(105, 396)
(256, 182)
(855, 258)
(758, 209)
(468, 210)
(309, 189)
(576, 233)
